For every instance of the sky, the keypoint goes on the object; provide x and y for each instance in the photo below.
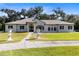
(69, 8)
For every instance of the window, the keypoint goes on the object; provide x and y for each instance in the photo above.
(48, 28)
(69, 27)
(61, 27)
(55, 29)
(10, 27)
(21, 27)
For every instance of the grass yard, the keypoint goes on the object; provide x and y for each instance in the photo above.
(60, 36)
(15, 36)
(48, 51)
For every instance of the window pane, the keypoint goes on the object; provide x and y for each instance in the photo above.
(48, 28)
(61, 27)
(10, 27)
(21, 27)
(69, 27)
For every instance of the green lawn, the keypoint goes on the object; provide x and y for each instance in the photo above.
(60, 36)
(15, 36)
(48, 51)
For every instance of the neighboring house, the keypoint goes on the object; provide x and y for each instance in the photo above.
(31, 25)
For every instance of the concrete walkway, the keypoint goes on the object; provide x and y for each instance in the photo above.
(27, 37)
(35, 44)
(17, 45)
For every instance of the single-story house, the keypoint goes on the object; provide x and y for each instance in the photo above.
(31, 25)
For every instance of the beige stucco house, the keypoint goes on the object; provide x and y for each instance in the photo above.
(31, 25)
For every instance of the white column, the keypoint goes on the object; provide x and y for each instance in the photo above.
(28, 27)
(34, 27)
(45, 28)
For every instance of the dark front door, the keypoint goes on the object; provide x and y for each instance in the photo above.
(31, 28)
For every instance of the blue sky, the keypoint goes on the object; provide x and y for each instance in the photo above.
(69, 8)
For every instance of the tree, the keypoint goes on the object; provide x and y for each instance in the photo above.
(44, 16)
(3, 20)
(71, 18)
(76, 26)
(23, 13)
(53, 16)
(58, 12)
(8, 12)
(12, 14)
(34, 11)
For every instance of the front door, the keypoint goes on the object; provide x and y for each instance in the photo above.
(31, 28)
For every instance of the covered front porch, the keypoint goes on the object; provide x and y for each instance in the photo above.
(32, 27)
